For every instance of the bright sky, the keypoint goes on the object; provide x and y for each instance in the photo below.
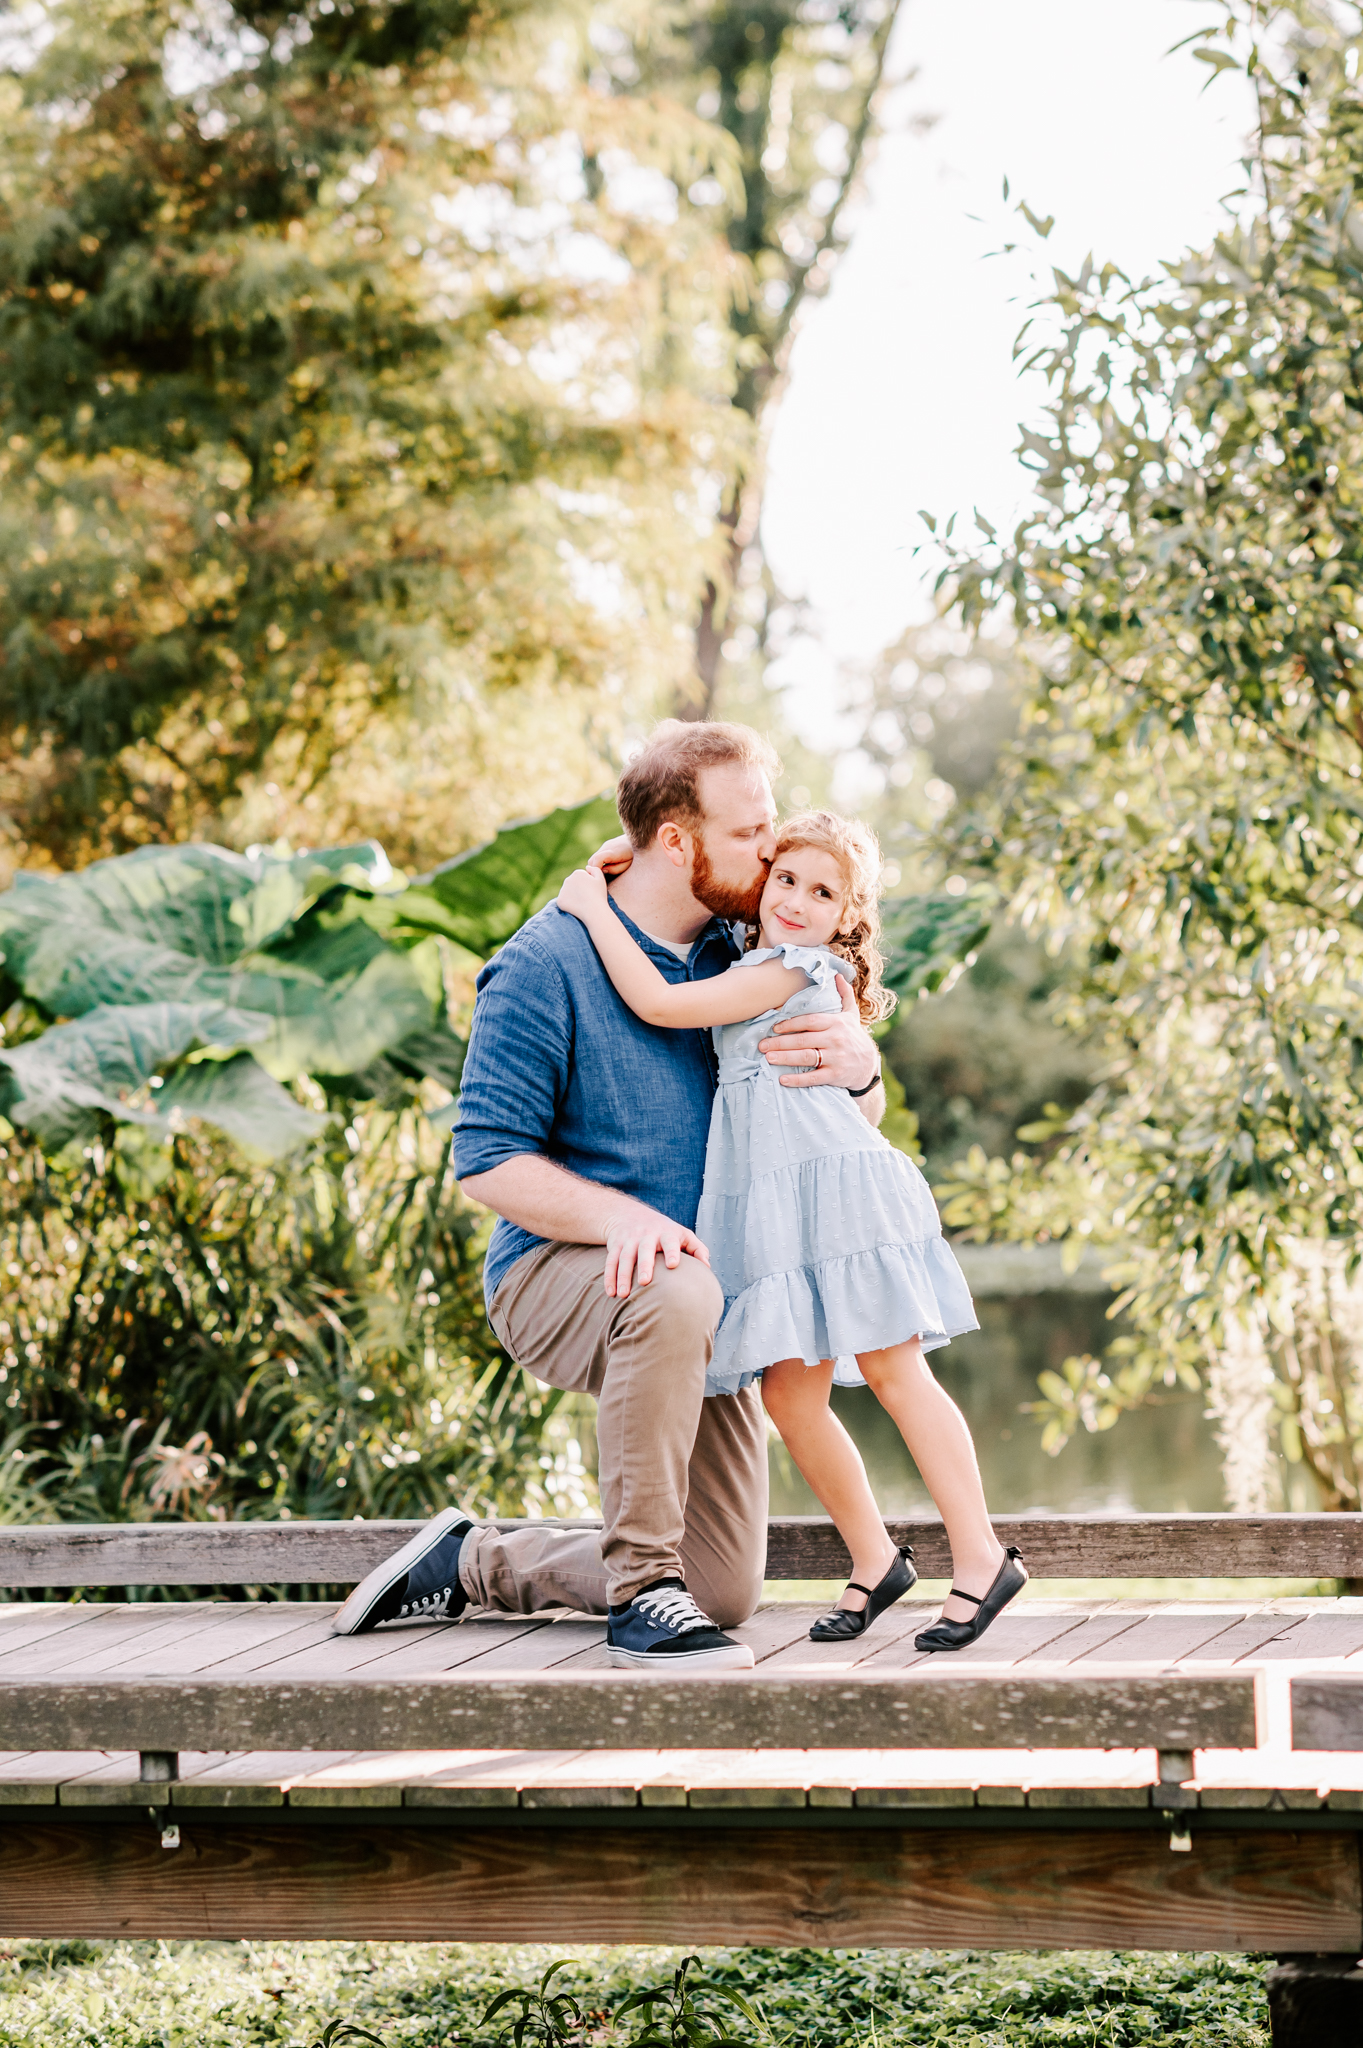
(903, 392)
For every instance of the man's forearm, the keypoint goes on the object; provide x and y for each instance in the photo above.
(548, 1201)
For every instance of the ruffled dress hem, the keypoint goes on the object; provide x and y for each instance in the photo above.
(863, 1301)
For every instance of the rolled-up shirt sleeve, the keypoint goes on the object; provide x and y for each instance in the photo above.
(519, 1056)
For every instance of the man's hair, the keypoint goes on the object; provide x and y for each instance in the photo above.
(661, 783)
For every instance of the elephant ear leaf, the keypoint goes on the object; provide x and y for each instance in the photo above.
(238, 1096)
(926, 938)
(57, 1085)
(485, 895)
(183, 899)
(435, 1051)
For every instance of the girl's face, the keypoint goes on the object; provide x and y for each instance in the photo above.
(802, 902)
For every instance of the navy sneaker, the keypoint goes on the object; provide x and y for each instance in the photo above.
(663, 1629)
(420, 1582)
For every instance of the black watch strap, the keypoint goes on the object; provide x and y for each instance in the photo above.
(873, 1082)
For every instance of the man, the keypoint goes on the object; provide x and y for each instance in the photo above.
(585, 1129)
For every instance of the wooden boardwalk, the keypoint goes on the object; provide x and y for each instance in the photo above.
(1105, 1772)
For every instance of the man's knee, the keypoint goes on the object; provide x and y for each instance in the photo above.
(729, 1591)
(685, 1301)
(737, 1602)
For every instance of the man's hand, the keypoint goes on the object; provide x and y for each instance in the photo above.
(583, 892)
(848, 1056)
(545, 1199)
(633, 1242)
(613, 858)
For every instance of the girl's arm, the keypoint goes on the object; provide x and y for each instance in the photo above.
(727, 999)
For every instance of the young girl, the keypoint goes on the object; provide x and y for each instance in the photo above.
(824, 1238)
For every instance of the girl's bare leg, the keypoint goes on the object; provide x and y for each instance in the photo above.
(796, 1398)
(940, 1445)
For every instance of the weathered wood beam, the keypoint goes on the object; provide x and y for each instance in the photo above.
(799, 1547)
(617, 1710)
(1327, 1713)
(939, 1888)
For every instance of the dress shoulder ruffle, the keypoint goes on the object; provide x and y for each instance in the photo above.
(816, 961)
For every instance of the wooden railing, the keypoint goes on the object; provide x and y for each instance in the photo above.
(299, 1553)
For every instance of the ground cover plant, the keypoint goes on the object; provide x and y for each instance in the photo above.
(409, 1995)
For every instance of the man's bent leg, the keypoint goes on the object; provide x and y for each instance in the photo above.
(724, 1550)
(645, 1360)
(523, 1571)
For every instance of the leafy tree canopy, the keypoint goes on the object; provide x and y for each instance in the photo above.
(360, 387)
(1186, 804)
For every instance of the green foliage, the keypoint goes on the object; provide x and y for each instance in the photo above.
(245, 1283)
(1186, 806)
(354, 406)
(122, 1995)
(675, 2017)
(987, 1056)
(294, 1340)
(197, 981)
(549, 2019)
(928, 940)
(481, 897)
(926, 722)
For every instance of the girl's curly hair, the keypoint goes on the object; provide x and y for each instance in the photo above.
(856, 849)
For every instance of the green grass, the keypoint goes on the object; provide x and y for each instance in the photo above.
(283, 1994)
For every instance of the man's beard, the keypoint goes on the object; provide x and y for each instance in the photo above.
(725, 899)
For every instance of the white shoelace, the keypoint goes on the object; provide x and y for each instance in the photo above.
(674, 1607)
(429, 1603)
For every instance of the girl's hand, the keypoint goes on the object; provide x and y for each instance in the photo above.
(583, 894)
(612, 858)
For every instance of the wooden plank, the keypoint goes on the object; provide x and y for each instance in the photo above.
(521, 1645)
(1161, 1638)
(217, 1796)
(628, 1711)
(54, 1767)
(900, 1887)
(256, 1637)
(423, 1649)
(899, 1622)
(1020, 1632)
(1090, 1633)
(799, 1547)
(1327, 1712)
(1314, 1636)
(37, 1620)
(141, 1639)
(257, 1766)
(1244, 1638)
(92, 1629)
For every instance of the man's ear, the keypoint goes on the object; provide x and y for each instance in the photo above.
(675, 843)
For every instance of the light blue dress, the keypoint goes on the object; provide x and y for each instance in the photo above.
(824, 1237)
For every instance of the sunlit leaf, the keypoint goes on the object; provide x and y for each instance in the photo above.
(486, 894)
(926, 938)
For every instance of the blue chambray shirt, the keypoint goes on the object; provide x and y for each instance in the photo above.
(558, 1065)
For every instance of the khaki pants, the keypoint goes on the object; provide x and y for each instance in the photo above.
(683, 1479)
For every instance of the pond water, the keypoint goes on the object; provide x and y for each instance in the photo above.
(1158, 1459)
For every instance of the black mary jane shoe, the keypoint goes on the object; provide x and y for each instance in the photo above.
(1009, 1580)
(845, 1622)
